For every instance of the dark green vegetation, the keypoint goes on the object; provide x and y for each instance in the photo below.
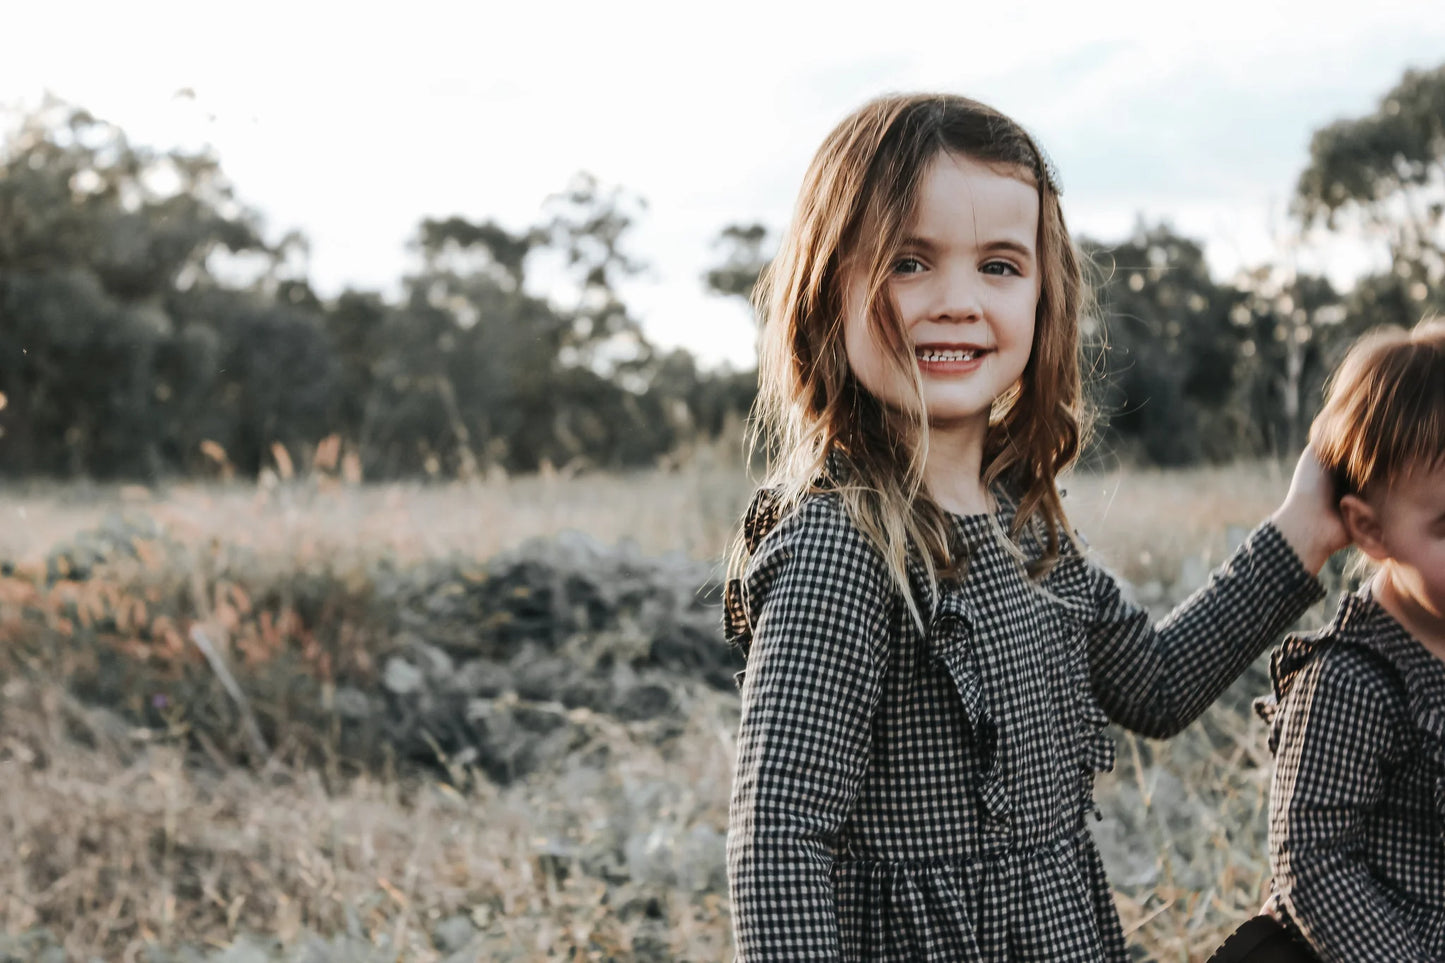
(144, 314)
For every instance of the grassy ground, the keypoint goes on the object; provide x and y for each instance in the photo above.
(1146, 524)
(119, 841)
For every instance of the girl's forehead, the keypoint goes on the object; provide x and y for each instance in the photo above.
(960, 195)
(959, 161)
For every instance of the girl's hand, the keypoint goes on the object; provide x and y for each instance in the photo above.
(1309, 516)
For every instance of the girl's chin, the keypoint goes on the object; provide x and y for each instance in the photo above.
(958, 405)
(963, 422)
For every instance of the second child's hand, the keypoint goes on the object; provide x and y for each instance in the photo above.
(1309, 516)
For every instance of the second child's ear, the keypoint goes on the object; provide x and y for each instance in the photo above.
(1363, 525)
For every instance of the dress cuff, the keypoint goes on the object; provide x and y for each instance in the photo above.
(1280, 567)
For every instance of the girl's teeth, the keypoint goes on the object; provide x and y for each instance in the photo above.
(947, 355)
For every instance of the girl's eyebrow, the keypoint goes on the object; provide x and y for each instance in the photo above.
(1006, 244)
(916, 243)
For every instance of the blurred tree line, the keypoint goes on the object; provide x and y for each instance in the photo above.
(148, 327)
(1191, 370)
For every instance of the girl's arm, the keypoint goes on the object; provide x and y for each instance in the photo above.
(1158, 679)
(1335, 730)
(818, 598)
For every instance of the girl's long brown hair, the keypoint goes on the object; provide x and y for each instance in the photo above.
(856, 203)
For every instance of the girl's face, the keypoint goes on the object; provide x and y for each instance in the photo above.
(966, 285)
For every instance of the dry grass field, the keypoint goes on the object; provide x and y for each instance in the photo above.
(149, 840)
(1145, 523)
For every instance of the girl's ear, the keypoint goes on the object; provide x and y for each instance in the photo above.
(1363, 525)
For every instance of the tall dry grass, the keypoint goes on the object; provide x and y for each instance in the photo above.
(690, 510)
(1145, 523)
(119, 842)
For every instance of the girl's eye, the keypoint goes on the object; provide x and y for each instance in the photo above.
(1000, 268)
(907, 265)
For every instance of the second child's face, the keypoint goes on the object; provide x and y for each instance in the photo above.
(966, 284)
(1412, 535)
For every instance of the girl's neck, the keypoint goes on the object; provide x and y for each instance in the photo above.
(1425, 625)
(953, 472)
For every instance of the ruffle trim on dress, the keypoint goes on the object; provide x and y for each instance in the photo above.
(762, 517)
(1070, 586)
(950, 638)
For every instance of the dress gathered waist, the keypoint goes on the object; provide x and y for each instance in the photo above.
(1070, 837)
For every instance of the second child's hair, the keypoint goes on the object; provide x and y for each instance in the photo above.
(1384, 413)
(853, 213)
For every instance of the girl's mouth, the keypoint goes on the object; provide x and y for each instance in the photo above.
(943, 355)
(949, 359)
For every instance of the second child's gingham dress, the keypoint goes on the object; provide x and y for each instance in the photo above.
(906, 795)
(1357, 810)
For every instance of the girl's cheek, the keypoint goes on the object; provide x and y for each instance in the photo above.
(909, 301)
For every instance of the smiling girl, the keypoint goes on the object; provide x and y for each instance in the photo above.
(931, 662)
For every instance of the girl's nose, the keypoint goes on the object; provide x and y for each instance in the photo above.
(959, 297)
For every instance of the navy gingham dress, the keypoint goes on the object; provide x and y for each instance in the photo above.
(1357, 809)
(906, 795)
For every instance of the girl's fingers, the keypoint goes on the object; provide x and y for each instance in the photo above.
(1309, 517)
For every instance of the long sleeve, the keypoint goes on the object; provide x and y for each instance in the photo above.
(1335, 729)
(818, 599)
(1157, 679)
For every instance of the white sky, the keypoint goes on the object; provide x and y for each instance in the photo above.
(351, 124)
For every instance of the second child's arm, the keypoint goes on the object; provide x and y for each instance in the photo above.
(819, 600)
(1157, 679)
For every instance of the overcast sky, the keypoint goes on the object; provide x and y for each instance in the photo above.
(352, 126)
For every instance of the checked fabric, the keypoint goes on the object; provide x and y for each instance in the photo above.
(1357, 808)
(922, 795)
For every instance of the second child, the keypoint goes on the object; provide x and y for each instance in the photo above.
(1357, 808)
